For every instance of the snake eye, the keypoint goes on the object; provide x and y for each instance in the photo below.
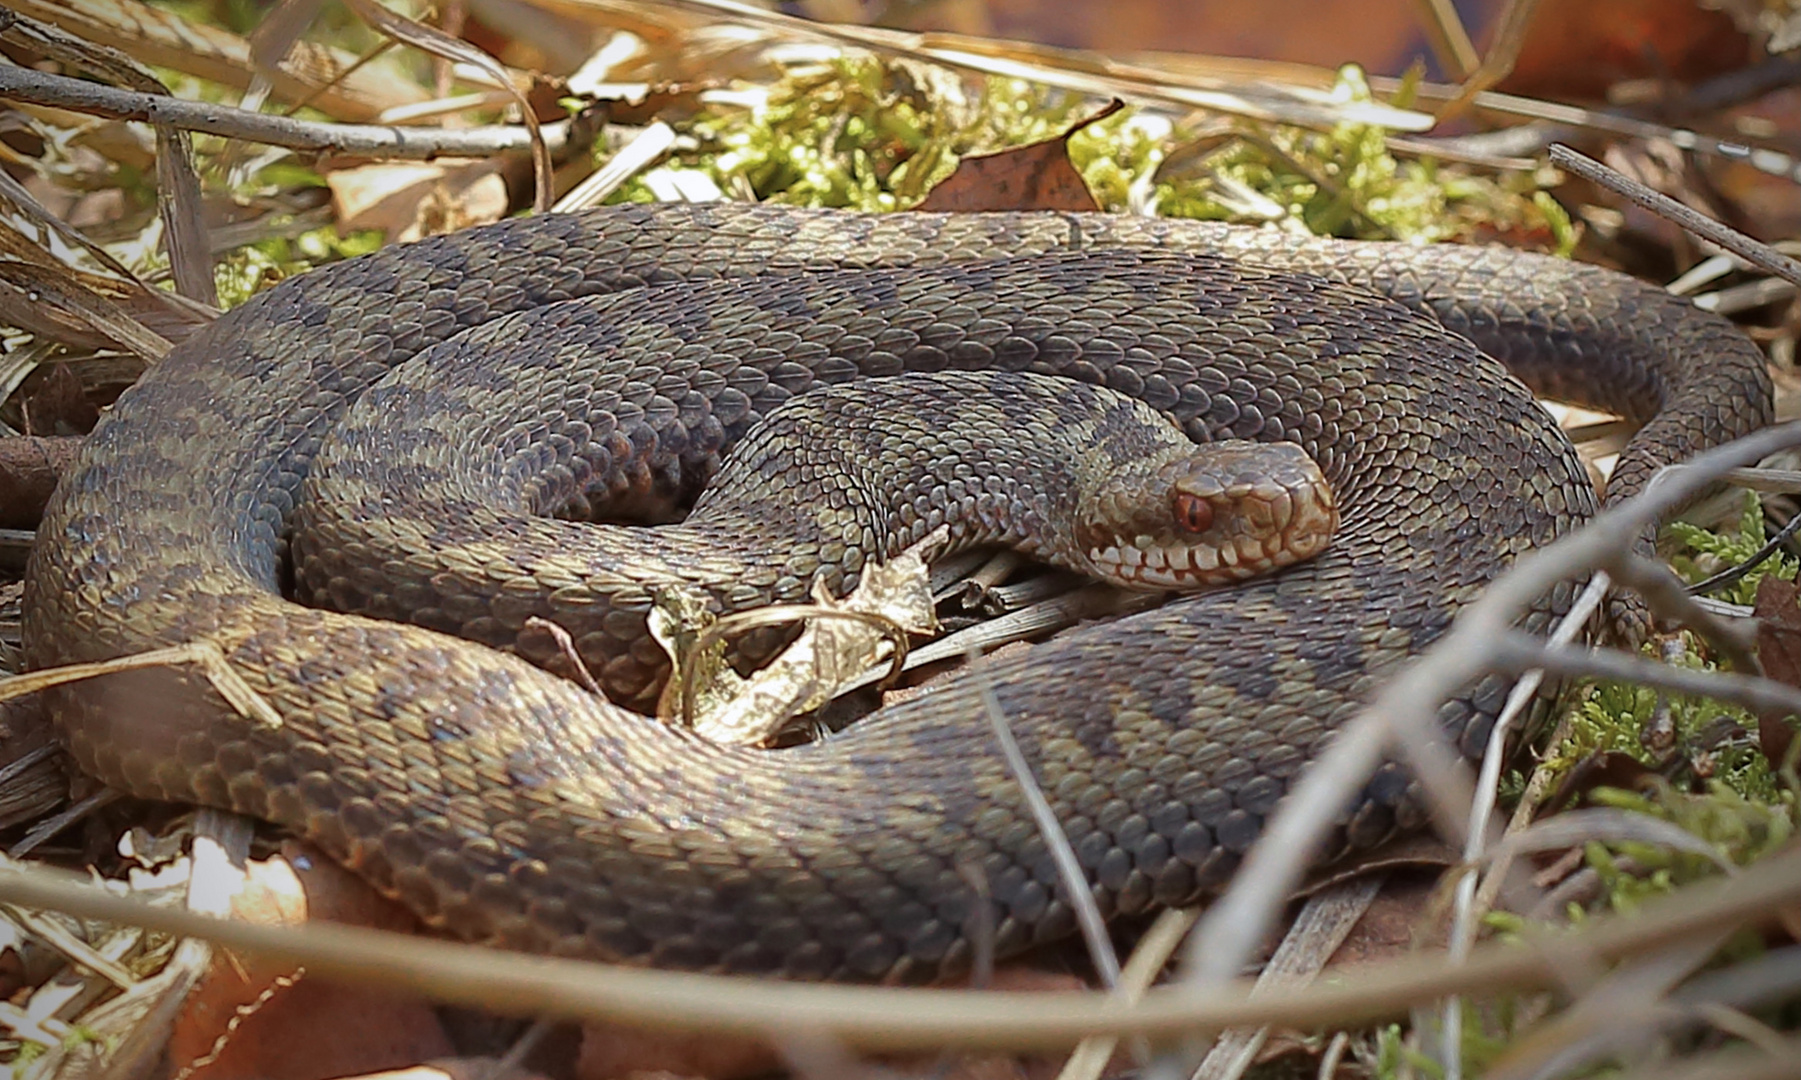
(1193, 513)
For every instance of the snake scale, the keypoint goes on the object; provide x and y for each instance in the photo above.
(401, 520)
(511, 807)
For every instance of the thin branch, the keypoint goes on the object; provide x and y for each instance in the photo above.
(206, 655)
(45, 828)
(1775, 480)
(1774, 975)
(1069, 868)
(1621, 1011)
(412, 143)
(1153, 950)
(1732, 575)
(879, 1017)
(178, 186)
(1575, 827)
(1488, 784)
(1449, 40)
(1513, 650)
(1404, 713)
(315, 75)
(629, 160)
(1070, 69)
(1757, 254)
(1668, 597)
(1510, 38)
(1321, 927)
(431, 40)
(1558, 119)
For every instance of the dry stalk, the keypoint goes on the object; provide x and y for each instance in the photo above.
(1464, 908)
(401, 143)
(1069, 69)
(1153, 950)
(210, 659)
(1510, 37)
(1321, 927)
(178, 185)
(1069, 868)
(430, 39)
(1403, 715)
(1759, 255)
(883, 1018)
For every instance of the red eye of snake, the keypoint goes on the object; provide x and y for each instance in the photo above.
(1193, 513)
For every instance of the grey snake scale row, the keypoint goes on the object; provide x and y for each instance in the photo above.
(508, 806)
(432, 500)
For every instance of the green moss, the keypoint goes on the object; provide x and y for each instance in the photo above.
(1708, 552)
(1610, 716)
(255, 267)
(870, 134)
(27, 1055)
(1744, 812)
(1739, 829)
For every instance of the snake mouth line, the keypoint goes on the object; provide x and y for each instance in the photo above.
(1189, 566)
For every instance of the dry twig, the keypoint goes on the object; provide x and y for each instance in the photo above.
(874, 1017)
(407, 143)
(1759, 255)
(1403, 714)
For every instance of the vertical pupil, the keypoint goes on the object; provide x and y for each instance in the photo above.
(1196, 514)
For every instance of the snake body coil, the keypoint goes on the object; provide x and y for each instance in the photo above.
(510, 807)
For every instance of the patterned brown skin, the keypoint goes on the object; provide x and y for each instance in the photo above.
(429, 501)
(510, 807)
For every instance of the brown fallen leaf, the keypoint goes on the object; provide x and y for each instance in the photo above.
(29, 468)
(250, 1019)
(610, 1051)
(1035, 177)
(1778, 611)
(59, 406)
(1406, 915)
(453, 1069)
(408, 200)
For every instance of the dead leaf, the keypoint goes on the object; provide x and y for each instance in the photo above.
(250, 1019)
(1778, 611)
(29, 469)
(408, 200)
(1035, 177)
(1399, 920)
(829, 654)
(609, 1052)
(59, 406)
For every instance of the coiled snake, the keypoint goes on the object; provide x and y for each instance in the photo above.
(509, 806)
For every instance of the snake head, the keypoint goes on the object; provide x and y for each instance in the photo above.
(1207, 515)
